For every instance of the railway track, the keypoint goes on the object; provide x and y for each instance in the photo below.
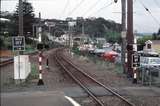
(6, 62)
(11, 60)
(85, 80)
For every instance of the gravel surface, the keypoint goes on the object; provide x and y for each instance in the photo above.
(55, 78)
(107, 75)
(6, 74)
(102, 72)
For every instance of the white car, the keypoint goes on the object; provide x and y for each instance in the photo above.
(150, 62)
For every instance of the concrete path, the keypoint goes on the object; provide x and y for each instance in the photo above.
(38, 98)
(63, 97)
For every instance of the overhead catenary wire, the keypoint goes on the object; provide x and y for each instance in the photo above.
(76, 7)
(102, 8)
(158, 4)
(147, 10)
(91, 7)
(65, 7)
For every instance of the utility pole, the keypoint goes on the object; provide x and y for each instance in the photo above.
(123, 34)
(130, 37)
(20, 16)
(83, 27)
(20, 33)
(69, 35)
(20, 11)
(71, 24)
(81, 39)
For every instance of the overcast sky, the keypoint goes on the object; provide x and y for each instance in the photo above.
(60, 9)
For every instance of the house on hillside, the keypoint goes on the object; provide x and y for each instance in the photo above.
(101, 41)
(81, 39)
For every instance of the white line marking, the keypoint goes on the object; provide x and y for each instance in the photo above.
(72, 101)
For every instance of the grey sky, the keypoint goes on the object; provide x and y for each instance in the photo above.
(143, 21)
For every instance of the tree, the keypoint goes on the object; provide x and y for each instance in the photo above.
(28, 18)
(154, 36)
(158, 32)
(95, 27)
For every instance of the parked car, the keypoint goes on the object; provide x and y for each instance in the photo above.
(110, 56)
(150, 66)
(99, 52)
(150, 62)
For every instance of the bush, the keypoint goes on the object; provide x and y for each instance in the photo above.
(144, 39)
(113, 36)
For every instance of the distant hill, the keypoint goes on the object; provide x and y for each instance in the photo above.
(144, 34)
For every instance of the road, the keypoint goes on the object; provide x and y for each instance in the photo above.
(39, 98)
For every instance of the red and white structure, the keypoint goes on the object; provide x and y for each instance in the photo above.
(135, 68)
(40, 82)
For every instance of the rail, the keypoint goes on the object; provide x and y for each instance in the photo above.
(6, 62)
(10, 61)
(65, 63)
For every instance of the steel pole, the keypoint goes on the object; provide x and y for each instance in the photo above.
(123, 3)
(20, 33)
(130, 37)
(20, 11)
(20, 16)
(69, 38)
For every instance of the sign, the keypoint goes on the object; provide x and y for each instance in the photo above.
(18, 43)
(135, 60)
(123, 34)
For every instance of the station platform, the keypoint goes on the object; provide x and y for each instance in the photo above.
(38, 98)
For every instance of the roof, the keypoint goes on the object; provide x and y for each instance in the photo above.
(148, 42)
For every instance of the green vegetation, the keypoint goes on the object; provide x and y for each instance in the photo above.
(113, 36)
(156, 36)
(99, 27)
(34, 72)
(28, 18)
(116, 67)
(9, 27)
(5, 42)
(76, 50)
(144, 39)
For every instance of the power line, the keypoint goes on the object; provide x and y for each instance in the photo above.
(65, 7)
(147, 9)
(71, 12)
(103, 8)
(28, 0)
(155, 1)
(90, 8)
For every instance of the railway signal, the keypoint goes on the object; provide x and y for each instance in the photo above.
(135, 60)
(135, 64)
